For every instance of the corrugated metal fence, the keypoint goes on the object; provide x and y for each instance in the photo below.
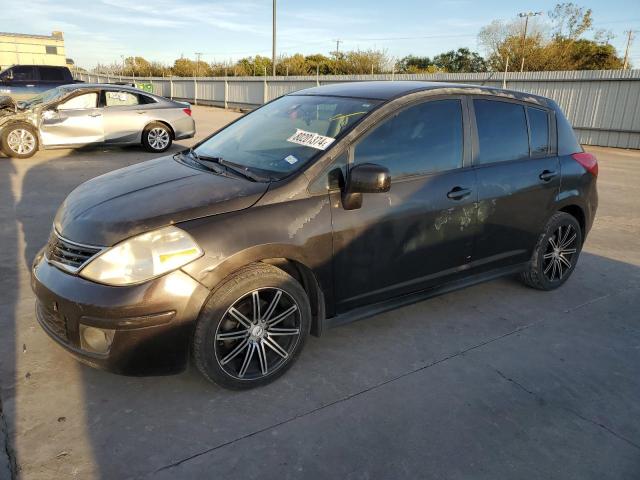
(603, 106)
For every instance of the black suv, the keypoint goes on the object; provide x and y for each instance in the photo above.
(324, 206)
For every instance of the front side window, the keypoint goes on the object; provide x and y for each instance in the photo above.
(120, 99)
(287, 133)
(538, 131)
(23, 74)
(502, 131)
(425, 138)
(81, 102)
(51, 49)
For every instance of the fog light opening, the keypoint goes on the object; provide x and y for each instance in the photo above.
(96, 340)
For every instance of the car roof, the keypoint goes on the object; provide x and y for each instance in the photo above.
(104, 86)
(387, 90)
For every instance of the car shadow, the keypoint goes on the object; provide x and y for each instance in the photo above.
(130, 427)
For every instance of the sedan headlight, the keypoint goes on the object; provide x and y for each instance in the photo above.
(143, 257)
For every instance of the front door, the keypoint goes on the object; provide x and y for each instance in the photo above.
(518, 179)
(75, 122)
(421, 231)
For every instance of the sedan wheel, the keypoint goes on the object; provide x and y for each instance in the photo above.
(156, 138)
(19, 141)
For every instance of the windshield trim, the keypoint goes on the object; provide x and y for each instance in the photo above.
(279, 176)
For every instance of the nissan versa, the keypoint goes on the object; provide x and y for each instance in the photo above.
(323, 206)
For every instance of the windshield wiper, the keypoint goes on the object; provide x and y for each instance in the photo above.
(213, 167)
(234, 167)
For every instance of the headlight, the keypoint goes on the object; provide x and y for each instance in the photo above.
(143, 257)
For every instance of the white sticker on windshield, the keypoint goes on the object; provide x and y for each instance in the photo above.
(310, 139)
(291, 159)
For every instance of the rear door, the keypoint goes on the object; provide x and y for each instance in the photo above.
(124, 116)
(76, 121)
(421, 231)
(518, 178)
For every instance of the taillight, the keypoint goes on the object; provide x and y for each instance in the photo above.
(187, 111)
(588, 161)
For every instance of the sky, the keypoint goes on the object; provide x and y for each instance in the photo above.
(101, 31)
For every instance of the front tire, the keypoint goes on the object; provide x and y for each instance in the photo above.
(156, 137)
(556, 254)
(252, 328)
(19, 140)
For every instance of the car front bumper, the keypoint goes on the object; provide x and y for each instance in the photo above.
(153, 321)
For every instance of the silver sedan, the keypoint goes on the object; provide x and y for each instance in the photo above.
(83, 114)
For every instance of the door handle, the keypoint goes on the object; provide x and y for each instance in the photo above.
(95, 114)
(30, 85)
(458, 193)
(547, 175)
(141, 112)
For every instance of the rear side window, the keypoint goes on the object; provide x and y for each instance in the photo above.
(538, 131)
(502, 131)
(144, 99)
(120, 99)
(425, 138)
(51, 74)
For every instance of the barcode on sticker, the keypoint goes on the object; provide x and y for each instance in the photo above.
(310, 139)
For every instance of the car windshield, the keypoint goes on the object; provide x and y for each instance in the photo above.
(45, 97)
(287, 133)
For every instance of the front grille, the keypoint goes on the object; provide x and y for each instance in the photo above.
(68, 255)
(56, 323)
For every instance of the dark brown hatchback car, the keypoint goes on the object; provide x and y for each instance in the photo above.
(324, 206)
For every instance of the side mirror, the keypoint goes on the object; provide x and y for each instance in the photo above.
(369, 178)
(364, 178)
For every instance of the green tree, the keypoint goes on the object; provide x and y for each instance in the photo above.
(462, 60)
(561, 49)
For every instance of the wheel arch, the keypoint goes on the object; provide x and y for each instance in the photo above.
(284, 257)
(305, 276)
(578, 213)
(163, 122)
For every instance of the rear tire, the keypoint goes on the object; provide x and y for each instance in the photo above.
(19, 140)
(556, 254)
(157, 137)
(252, 328)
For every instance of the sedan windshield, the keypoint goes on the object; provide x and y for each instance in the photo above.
(46, 97)
(285, 134)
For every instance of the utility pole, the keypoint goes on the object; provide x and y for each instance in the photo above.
(198, 55)
(273, 53)
(338, 42)
(526, 16)
(625, 64)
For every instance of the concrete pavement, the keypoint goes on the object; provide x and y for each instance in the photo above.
(495, 381)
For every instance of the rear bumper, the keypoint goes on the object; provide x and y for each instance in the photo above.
(184, 128)
(153, 322)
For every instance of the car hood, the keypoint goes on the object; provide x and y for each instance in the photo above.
(149, 195)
